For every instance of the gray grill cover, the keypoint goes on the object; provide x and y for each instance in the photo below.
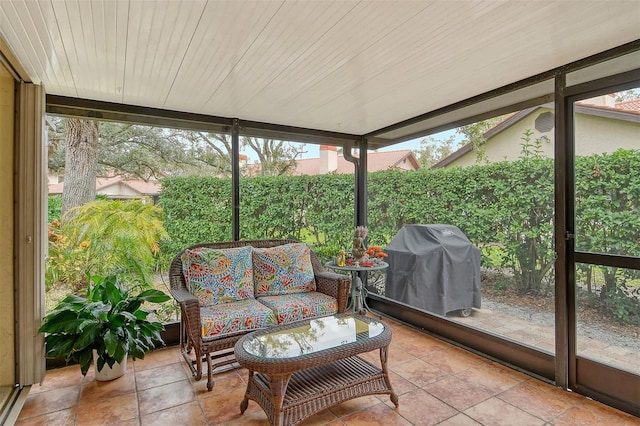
(434, 268)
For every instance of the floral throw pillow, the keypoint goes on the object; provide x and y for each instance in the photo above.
(283, 269)
(217, 276)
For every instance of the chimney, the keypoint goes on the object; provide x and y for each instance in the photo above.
(603, 100)
(328, 159)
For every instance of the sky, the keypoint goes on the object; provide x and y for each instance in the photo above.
(313, 151)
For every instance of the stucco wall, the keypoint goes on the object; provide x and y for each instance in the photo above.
(598, 135)
(7, 332)
(119, 191)
(593, 135)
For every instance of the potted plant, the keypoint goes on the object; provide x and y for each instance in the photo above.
(104, 327)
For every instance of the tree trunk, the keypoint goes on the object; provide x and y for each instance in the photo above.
(81, 161)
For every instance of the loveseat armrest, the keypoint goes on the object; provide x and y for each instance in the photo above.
(182, 295)
(334, 285)
(190, 313)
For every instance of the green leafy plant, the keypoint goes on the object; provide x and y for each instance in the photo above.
(66, 260)
(109, 319)
(54, 207)
(104, 236)
(622, 306)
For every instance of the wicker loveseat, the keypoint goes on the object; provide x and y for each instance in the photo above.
(215, 316)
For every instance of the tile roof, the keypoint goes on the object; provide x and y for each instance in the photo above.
(632, 105)
(376, 161)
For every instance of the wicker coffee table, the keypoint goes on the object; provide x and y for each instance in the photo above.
(300, 369)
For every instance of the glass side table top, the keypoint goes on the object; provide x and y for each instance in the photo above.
(353, 268)
(313, 336)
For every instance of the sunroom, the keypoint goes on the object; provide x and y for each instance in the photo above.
(360, 76)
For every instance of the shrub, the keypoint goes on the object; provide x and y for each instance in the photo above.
(104, 236)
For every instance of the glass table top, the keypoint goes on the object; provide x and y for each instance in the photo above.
(316, 335)
(379, 265)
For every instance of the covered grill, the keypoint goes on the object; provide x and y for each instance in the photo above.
(434, 268)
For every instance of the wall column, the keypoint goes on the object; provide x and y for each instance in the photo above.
(30, 232)
(7, 314)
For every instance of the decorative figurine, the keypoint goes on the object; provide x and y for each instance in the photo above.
(359, 237)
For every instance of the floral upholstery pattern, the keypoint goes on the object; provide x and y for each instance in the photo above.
(218, 276)
(283, 269)
(298, 306)
(235, 317)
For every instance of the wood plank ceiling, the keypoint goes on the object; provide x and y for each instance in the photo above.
(344, 66)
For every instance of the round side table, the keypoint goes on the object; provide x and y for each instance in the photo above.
(358, 292)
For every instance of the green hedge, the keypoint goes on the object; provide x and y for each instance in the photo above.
(506, 208)
(316, 209)
(196, 209)
(508, 205)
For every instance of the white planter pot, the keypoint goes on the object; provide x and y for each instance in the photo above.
(109, 373)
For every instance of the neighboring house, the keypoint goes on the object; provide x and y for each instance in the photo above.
(602, 126)
(331, 162)
(118, 187)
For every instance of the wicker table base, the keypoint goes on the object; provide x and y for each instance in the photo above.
(290, 389)
(311, 391)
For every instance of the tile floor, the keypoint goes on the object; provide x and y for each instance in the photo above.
(437, 384)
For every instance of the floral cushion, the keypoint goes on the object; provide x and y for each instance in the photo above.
(235, 317)
(283, 269)
(295, 307)
(218, 275)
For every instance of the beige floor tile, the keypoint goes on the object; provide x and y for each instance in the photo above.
(419, 372)
(458, 393)
(437, 384)
(496, 412)
(186, 414)
(108, 411)
(422, 409)
(50, 401)
(165, 396)
(59, 378)
(158, 376)
(544, 402)
(379, 414)
(95, 390)
(158, 358)
(57, 418)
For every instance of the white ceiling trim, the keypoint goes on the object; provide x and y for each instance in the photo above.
(347, 66)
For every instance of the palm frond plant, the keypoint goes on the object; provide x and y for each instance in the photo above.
(109, 320)
(104, 236)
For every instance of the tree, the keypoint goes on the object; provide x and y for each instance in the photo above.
(433, 150)
(55, 144)
(81, 160)
(211, 151)
(474, 134)
(628, 95)
(276, 157)
(147, 152)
